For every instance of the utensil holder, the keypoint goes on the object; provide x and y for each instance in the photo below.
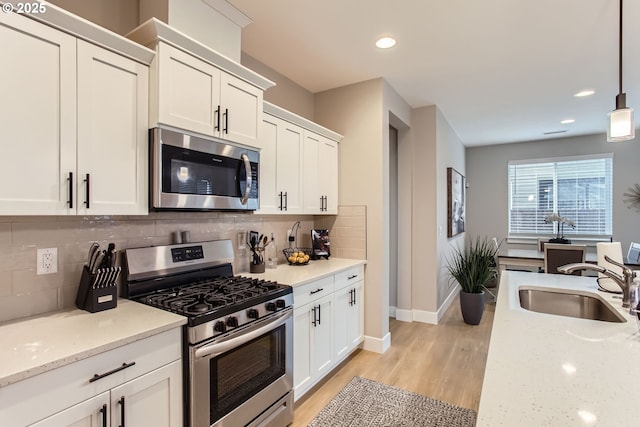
(256, 268)
(98, 291)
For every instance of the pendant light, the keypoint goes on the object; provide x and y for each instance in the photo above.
(621, 127)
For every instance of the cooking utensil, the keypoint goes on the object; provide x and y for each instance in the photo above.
(92, 250)
(97, 262)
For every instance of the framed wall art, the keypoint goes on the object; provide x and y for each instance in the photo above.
(455, 202)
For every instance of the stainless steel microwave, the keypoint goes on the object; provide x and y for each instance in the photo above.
(197, 173)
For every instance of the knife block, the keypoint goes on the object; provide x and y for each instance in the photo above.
(95, 294)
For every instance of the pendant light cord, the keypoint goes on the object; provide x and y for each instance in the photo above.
(620, 52)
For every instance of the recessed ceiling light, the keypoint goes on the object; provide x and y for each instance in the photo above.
(583, 93)
(568, 121)
(386, 42)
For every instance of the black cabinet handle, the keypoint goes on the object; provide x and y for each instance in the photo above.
(319, 314)
(226, 121)
(354, 297)
(286, 201)
(121, 402)
(316, 291)
(280, 195)
(217, 119)
(124, 366)
(350, 296)
(314, 322)
(70, 201)
(103, 410)
(352, 277)
(87, 191)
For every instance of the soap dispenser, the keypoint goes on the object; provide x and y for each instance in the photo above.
(271, 253)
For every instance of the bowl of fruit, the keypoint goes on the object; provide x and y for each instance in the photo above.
(297, 256)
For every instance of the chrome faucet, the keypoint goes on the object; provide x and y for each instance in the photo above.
(623, 281)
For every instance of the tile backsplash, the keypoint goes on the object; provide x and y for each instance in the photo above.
(23, 293)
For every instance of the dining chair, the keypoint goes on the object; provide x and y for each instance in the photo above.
(557, 254)
(541, 243)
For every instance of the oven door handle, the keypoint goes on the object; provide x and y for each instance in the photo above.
(247, 168)
(231, 342)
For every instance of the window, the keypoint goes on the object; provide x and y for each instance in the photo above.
(578, 188)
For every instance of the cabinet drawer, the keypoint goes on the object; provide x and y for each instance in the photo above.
(37, 397)
(349, 277)
(312, 291)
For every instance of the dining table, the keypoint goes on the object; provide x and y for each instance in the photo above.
(533, 258)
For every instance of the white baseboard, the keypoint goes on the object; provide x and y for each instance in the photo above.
(404, 315)
(377, 345)
(392, 311)
(422, 316)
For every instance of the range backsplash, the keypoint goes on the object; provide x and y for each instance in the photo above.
(23, 293)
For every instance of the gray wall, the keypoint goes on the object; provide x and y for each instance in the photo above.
(487, 176)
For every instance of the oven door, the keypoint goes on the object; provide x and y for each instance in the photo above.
(190, 172)
(244, 377)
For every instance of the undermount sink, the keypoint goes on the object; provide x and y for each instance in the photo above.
(564, 302)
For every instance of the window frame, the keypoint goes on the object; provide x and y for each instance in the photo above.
(532, 235)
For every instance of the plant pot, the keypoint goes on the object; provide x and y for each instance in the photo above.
(256, 268)
(472, 307)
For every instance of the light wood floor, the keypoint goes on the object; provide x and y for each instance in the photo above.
(445, 362)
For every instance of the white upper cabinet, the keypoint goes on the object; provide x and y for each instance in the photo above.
(194, 95)
(320, 174)
(112, 133)
(37, 117)
(197, 89)
(72, 110)
(281, 167)
(298, 165)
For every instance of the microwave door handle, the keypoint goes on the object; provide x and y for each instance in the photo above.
(247, 168)
(220, 347)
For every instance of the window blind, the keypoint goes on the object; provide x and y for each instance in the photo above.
(578, 188)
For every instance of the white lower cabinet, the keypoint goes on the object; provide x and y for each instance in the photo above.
(328, 325)
(348, 333)
(138, 384)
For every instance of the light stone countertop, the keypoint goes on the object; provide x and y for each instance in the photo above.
(546, 370)
(296, 275)
(38, 344)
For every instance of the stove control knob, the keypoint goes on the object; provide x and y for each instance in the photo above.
(280, 303)
(252, 313)
(220, 327)
(271, 306)
(232, 322)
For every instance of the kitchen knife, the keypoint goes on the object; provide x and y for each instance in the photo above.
(96, 263)
(92, 250)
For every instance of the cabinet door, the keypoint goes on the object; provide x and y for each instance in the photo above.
(328, 174)
(322, 333)
(241, 115)
(188, 91)
(269, 200)
(355, 318)
(112, 133)
(153, 399)
(289, 166)
(313, 201)
(92, 412)
(37, 117)
(341, 310)
(302, 317)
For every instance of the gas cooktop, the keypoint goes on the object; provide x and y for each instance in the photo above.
(216, 297)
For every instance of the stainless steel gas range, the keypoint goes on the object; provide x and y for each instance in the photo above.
(238, 350)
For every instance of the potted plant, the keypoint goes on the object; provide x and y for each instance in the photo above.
(558, 224)
(473, 266)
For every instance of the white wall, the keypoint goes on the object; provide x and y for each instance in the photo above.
(487, 177)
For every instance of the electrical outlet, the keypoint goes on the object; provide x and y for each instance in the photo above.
(47, 261)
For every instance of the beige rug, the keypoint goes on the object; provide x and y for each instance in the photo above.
(365, 402)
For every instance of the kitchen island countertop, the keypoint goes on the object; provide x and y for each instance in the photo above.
(38, 344)
(547, 370)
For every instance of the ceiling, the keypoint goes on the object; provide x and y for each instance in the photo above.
(499, 70)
